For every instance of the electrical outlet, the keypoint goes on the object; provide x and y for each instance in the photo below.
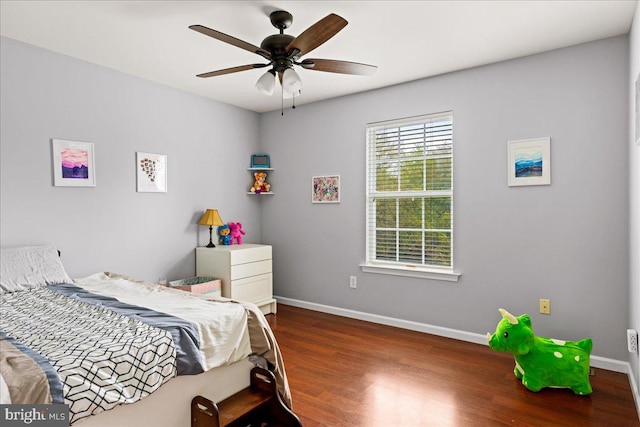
(632, 341)
(353, 282)
(545, 306)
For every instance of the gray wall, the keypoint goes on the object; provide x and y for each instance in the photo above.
(634, 192)
(112, 227)
(567, 242)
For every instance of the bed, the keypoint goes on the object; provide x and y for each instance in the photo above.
(120, 351)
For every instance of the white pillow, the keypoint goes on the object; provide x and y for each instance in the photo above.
(30, 267)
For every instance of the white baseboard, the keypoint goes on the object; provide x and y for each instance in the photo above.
(634, 389)
(389, 321)
(596, 361)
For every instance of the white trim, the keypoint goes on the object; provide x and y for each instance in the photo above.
(596, 361)
(634, 388)
(421, 273)
(610, 364)
(372, 194)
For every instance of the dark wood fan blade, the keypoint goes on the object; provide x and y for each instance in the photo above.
(316, 34)
(335, 66)
(231, 40)
(232, 70)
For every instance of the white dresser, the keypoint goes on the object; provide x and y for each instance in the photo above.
(245, 270)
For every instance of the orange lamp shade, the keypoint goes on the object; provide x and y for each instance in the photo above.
(211, 217)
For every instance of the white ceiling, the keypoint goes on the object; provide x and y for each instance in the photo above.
(407, 40)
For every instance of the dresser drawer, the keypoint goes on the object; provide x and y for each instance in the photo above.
(253, 289)
(248, 253)
(251, 269)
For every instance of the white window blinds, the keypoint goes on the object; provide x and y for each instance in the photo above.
(410, 192)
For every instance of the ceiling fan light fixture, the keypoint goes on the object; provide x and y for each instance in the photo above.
(291, 82)
(267, 82)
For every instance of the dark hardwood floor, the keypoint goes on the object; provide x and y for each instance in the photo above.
(345, 372)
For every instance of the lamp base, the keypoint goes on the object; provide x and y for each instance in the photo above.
(211, 245)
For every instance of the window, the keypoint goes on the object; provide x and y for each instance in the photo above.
(410, 195)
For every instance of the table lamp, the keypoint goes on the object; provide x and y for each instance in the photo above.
(211, 218)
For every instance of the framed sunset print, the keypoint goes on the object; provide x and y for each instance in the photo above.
(529, 162)
(73, 163)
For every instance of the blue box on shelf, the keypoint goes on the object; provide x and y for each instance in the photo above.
(260, 161)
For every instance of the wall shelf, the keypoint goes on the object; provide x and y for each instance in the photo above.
(266, 193)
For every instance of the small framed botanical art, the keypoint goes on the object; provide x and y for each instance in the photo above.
(151, 172)
(73, 163)
(325, 189)
(529, 162)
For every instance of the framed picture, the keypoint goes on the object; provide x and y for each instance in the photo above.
(151, 172)
(529, 162)
(73, 163)
(325, 189)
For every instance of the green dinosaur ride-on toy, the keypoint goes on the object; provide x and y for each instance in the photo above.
(542, 362)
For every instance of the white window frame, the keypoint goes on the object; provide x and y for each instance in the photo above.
(399, 268)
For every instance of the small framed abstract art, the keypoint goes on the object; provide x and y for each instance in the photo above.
(151, 172)
(529, 162)
(73, 163)
(325, 189)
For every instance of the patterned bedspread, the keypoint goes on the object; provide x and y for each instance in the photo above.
(101, 358)
(67, 344)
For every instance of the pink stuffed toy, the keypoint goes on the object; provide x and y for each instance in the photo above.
(236, 232)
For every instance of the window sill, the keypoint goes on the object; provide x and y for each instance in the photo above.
(421, 273)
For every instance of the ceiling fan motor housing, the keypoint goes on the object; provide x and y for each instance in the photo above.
(277, 45)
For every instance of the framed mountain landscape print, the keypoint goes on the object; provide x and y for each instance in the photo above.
(529, 162)
(73, 163)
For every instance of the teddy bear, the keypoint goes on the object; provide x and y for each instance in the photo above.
(236, 232)
(260, 184)
(223, 232)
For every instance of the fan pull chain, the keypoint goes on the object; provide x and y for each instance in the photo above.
(293, 106)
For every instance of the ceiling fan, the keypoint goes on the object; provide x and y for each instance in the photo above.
(283, 51)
